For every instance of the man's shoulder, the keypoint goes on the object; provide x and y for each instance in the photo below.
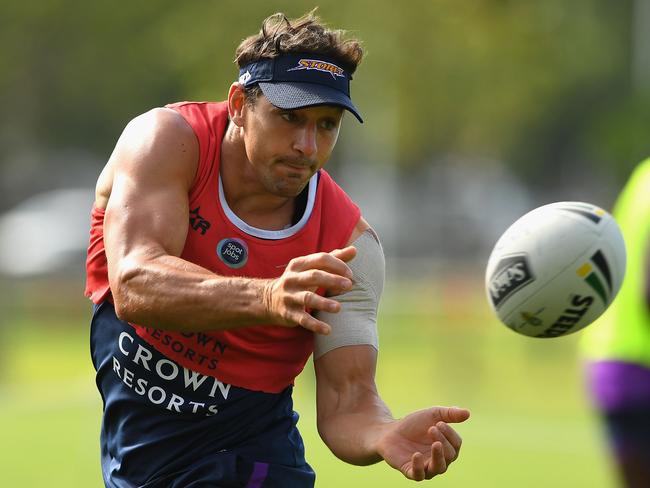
(202, 117)
(198, 103)
(205, 107)
(159, 120)
(154, 141)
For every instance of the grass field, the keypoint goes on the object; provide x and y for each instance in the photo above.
(531, 425)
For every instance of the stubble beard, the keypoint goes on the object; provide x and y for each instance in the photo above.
(283, 186)
(289, 184)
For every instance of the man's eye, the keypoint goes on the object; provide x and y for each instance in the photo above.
(289, 116)
(328, 124)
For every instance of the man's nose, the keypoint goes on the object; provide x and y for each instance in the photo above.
(305, 141)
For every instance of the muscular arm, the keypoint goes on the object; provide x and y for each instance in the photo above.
(356, 424)
(347, 397)
(351, 414)
(358, 428)
(146, 223)
(145, 189)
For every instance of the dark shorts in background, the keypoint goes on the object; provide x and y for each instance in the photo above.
(621, 393)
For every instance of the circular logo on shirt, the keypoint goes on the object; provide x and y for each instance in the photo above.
(233, 252)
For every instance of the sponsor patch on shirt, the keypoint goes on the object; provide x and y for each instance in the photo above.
(233, 252)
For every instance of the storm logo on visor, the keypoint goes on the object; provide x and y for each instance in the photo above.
(318, 65)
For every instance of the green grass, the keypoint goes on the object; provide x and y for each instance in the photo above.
(49, 408)
(531, 424)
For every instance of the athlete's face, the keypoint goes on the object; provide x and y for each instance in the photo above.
(286, 147)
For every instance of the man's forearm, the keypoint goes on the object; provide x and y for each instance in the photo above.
(168, 292)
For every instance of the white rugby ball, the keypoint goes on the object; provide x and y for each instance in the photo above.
(556, 269)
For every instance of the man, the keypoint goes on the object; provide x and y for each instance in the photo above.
(617, 347)
(217, 247)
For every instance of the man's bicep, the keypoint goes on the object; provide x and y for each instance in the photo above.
(356, 322)
(153, 166)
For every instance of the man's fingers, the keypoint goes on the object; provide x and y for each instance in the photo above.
(417, 467)
(313, 301)
(329, 262)
(449, 414)
(346, 254)
(293, 294)
(305, 320)
(316, 278)
(437, 434)
(438, 463)
(451, 435)
(422, 468)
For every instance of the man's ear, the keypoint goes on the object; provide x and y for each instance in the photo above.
(236, 104)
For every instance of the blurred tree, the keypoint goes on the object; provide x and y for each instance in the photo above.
(531, 83)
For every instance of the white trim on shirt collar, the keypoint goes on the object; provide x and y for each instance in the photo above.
(271, 234)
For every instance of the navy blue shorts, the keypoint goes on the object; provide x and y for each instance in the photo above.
(166, 426)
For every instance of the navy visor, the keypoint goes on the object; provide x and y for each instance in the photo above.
(301, 80)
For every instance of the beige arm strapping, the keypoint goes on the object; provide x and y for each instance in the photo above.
(356, 323)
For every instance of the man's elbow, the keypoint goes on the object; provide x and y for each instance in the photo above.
(330, 438)
(124, 289)
(321, 427)
(343, 448)
(327, 427)
(337, 439)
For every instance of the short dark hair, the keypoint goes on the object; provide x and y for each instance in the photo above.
(307, 34)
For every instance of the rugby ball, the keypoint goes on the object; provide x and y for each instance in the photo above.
(556, 269)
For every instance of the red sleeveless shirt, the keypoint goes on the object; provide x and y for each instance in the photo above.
(264, 358)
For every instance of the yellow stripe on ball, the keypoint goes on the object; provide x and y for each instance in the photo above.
(584, 270)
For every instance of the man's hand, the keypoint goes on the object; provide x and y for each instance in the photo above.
(290, 298)
(422, 444)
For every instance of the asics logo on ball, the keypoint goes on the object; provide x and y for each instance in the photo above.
(511, 274)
